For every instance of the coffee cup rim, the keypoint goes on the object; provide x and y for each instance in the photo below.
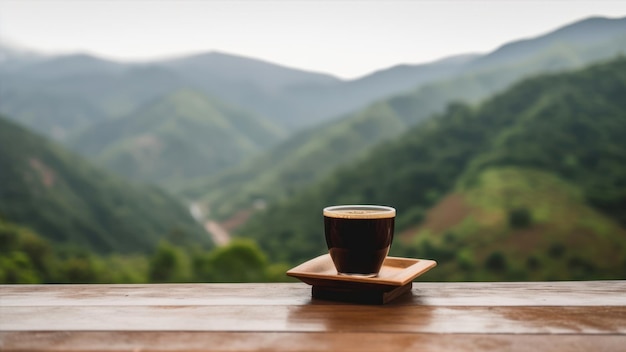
(380, 211)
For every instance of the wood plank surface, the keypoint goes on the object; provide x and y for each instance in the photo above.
(318, 318)
(245, 341)
(249, 317)
(583, 293)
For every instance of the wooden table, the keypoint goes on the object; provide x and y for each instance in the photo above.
(559, 316)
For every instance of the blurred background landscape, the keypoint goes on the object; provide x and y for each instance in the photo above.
(508, 164)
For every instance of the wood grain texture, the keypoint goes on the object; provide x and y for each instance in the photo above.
(319, 318)
(582, 293)
(220, 341)
(252, 317)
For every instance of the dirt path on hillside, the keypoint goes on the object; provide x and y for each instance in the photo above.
(218, 233)
(220, 236)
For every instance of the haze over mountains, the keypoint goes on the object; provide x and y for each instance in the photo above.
(290, 98)
(232, 133)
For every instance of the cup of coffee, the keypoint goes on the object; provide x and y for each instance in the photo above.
(359, 237)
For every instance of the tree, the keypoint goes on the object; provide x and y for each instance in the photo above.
(166, 264)
(496, 262)
(520, 218)
(240, 261)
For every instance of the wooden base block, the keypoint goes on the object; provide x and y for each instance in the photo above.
(371, 296)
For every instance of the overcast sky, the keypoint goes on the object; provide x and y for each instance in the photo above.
(344, 38)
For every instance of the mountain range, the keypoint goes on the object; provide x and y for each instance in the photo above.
(314, 153)
(69, 96)
(290, 98)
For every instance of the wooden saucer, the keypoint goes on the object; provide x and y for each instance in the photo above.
(394, 279)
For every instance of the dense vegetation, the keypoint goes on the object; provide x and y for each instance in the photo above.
(67, 200)
(26, 257)
(311, 155)
(567, 126)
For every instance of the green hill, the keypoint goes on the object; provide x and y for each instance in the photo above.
(313, 154)
(179, 137)
(518, 224)
(70, 202)
(561, 132)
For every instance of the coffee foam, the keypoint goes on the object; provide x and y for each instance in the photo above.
(360, 212)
